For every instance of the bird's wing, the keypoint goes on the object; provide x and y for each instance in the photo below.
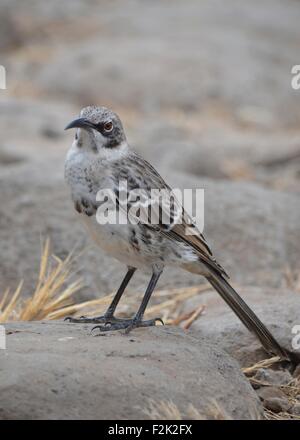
(141, 174)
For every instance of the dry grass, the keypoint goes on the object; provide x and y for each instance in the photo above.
(265, 363)
(168, 304)
(172, 308)
(269, 415)
(52, 297)
(292, 279)
(168, 410)
(56, 285)
(291, 390)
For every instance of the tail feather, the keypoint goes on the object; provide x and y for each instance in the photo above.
(246, 315)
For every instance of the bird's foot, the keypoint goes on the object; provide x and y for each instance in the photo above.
(127, 325)
(105, 319)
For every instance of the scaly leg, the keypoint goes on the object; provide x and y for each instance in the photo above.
(109, 314)
(129, 324)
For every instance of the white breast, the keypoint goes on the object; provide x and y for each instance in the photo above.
(115, 241)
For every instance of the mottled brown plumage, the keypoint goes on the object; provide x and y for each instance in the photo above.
(100, 158)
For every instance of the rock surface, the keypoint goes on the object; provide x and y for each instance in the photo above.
(56, 370)
(278, 310)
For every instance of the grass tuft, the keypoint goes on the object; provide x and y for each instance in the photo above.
(168, 410)
(54, 292)
(52, 296)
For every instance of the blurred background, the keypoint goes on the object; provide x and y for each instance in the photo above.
(204, 91)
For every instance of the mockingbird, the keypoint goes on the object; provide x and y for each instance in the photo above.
(100, 158)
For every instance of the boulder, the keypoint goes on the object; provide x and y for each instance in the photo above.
(277, 309)
(58, 370)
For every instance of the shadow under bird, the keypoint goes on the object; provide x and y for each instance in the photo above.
(100, 158)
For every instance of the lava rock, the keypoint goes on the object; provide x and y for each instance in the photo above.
(58, 370)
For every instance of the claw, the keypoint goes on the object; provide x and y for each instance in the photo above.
(86, 320)
(68, 318)
(102, 328)
(128, 329)
(113, 323)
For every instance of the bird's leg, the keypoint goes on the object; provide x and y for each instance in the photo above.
(137, 321)
(109, 314)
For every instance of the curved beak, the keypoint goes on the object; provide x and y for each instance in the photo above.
(80, 123)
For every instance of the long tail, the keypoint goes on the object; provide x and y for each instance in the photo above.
(246, 315)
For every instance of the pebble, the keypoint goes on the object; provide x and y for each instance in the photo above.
(270, 392)
(295, 409)
(277, 404)
(297, 371)
(273, 377)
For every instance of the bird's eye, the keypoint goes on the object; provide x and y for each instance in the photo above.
(108, 126)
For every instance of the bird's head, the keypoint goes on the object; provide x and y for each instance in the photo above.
(98, 129)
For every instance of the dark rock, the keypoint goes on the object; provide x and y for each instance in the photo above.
(270, 393)
(277, 404)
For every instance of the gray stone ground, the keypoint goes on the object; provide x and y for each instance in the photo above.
(204, 92)
(56, 370)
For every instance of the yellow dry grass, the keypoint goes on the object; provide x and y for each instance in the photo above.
(265, 363)
(53, 297)
(168, 410)
(292, 279)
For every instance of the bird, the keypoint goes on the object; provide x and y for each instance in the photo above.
(99, 159)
